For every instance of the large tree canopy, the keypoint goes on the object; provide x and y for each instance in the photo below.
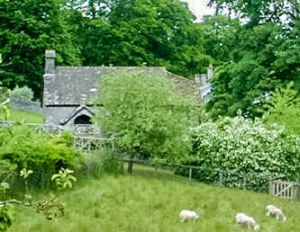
(258, 11)
(252, 61)
(142, 32)
(27, 28)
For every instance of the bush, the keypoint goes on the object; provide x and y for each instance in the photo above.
(21, 94)
(42, 153)
(245, 152)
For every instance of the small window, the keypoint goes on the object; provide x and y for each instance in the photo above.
(83, 119)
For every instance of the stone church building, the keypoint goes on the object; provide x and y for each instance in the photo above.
(68, 91)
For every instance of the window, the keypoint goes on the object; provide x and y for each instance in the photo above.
(83, 119)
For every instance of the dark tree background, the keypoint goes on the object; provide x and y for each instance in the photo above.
(254, 44)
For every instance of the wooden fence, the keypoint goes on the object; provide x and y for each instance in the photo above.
(90, 143)
(284, 189)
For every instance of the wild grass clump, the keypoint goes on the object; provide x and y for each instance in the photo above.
(99, 163)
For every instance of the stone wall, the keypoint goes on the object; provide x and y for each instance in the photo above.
(31, 106)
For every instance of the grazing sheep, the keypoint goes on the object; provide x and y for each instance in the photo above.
(244, 219)
(188, 215)
(275, 211)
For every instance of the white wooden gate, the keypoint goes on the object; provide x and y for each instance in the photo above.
(284, 189)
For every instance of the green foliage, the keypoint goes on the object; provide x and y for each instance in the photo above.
(256, 67)
(4, 111)
(4, 186)
(146, 114)
(25, 173)
(21, 94)
(283, 107)
(5, 219)
(135, 33)
(221, 35)
(42, 153)
(4, 100)
(111, 164)
(100, 163)
(6, 168)
(4, 93)
(28, 28)
(64, 179)
(248, 153)
(256, 11)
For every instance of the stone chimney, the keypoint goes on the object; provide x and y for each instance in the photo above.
(50, 62)
(49, 75)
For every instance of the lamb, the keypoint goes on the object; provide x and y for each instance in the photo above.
(244, 219)
(188, 215)
(275, 211)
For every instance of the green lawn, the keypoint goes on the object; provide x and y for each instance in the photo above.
(30, 117)
(150, 202)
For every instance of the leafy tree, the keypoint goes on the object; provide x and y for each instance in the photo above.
(287, 55)
(256, 67)
(257, 11)
(237, 86)
(221, 37)
(27, 29)
(148, 116)
(283, 107)
(151, 32)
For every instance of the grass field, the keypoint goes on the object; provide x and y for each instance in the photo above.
(19, 115)
(151, 201)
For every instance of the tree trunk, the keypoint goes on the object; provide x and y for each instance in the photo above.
(130, 164)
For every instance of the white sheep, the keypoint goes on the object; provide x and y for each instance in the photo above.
(275, 211)
(244, 219)
(188, 215)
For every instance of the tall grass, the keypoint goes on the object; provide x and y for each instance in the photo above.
(150, 202)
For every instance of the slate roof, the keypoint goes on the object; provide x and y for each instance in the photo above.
(78, 85)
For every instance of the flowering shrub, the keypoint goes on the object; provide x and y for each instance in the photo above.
(243, 153)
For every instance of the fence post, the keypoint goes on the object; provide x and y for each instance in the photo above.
(190, 173)
(221, 178)
(270, 185)
(244, 180)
